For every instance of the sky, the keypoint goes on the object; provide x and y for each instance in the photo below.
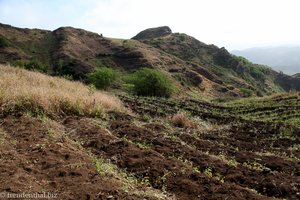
(233, 24)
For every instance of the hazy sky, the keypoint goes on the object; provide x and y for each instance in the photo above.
(235, 24)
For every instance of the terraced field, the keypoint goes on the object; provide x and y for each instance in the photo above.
(154, 148)
(282, 108)
(250, 144)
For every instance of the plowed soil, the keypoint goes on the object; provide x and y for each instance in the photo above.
(239, 160)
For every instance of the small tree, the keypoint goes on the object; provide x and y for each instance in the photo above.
(151, 82)
(102, 77)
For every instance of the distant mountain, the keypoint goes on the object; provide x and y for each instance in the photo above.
(283, 58)
(196, 68)
(297, 75)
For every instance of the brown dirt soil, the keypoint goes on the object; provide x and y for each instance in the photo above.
(231, 162)
(34, 161)
(149, 155)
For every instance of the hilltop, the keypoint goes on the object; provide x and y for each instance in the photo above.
(63, 137)
(196, 68)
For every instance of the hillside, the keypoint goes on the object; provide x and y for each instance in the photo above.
(197, 68)
(227, 69)
(281, 58)
(297, 75)
(61, 137)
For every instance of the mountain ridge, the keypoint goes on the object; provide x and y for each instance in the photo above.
(197, 68)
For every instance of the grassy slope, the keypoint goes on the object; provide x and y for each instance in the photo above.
(35, 92)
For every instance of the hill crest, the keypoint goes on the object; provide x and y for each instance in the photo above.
(153, 33)
(197, 68)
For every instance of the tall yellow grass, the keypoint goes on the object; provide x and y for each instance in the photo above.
(22, 90)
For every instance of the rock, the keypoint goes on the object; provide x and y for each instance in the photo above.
(194, 78)
(153, 33)
(207, 74)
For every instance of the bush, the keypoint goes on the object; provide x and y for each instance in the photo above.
(19, 63)
(102, 77)
(4, 42)
(257, 73)
(31, 65)
(151, 82)
(36, 65)
(75, 68)
(181, 120)
(246, 92)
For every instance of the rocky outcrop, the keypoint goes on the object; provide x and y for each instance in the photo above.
(130, 59)
(194, 78)
(153, 33)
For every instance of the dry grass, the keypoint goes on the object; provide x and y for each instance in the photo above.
(22, 90)
(181, 120)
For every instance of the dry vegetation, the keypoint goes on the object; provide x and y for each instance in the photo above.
(21, 90)
(181, 120)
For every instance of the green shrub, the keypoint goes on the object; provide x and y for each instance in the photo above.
(128, 87)
(151, 82)
(257, 73)
(31, 65)
(75, 68)
(4, 42)
(246, 92)
(36, 65)
(102, 77)
(19, 63)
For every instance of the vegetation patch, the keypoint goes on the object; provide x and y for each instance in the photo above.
(182, 120)
(33, 65)
(4, 42)
(103, 77)
(23, 91)
(151, 82)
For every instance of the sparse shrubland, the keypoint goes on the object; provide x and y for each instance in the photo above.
(22, 90)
